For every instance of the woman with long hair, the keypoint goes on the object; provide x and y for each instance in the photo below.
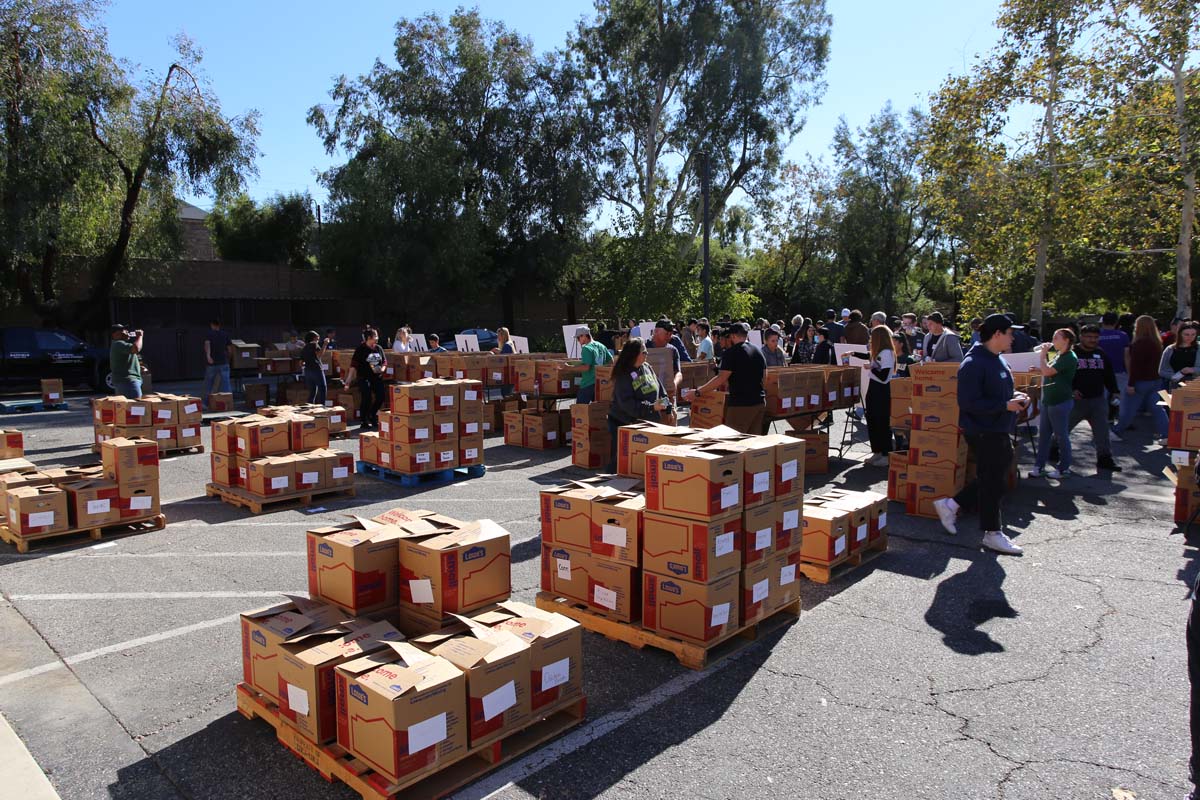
(637, 393)
(881, 368)
(503, 345)
(401, 344)
(802, 351)
(1179, 359)
(904, 357)
(1142, 361)
(1058, 398)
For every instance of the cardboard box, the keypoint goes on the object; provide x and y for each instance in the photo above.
(258, 395)
(707, 410)
(555, 650)
(470, 395)
(445, 396)
(355, 569)
(307, 696)
(15, 480)
(826, 535)
(935, 413)
(495, 370)
(701, 551)
(310, 472)
(616, 527)
(413, 398)
(262, 437)
(308, 433)
(224, 437)
(165, 436)
(245, 355)
(937, 449)
(271, 476)
(456, 572)
(898, 475)
(788, 475)
(590, 416)
(1183, 430)
(759, 531)
(609, 588)
(470, 451)
(445, 426)
(403, 712)
(926, 484)
(128, 460)
(591, 449)
(470, 422)
(785, 583)
(188, 435)
(700, 483)
(703, 613)
(789, 523)
(138, 500)
(264, 630)
(816, 453)
(758, 469)
(541, 430)
(858, 532)
(369, 447)
(934, 380)
(445, 454)
(92, 504)
(37, 509)
(514, 429)
(224, 470)
(754, 583)
(162, 411)
(339, 467)
(410, 428)
(220, 401)
(131, 412)
(604, 384)
(407, 459)
(566, 515)
(52, 392)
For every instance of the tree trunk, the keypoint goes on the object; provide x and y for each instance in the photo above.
(1049, 205)
(572, 313)
(1183, 250)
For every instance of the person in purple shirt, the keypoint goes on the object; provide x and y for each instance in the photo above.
(1115, 344)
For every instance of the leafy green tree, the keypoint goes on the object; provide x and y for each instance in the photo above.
(279, 231)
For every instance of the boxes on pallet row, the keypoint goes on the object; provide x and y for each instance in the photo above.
(759, 527)
(92, 503)
(12, 444)
(220, 401)
(703, 613)
(458, 571)
(607, 587)
(696, 482)
(52, 391)
(694, 550)
(872, 503)
(926, 484)
(402, 711)
(129, 460)
(826, 534)
(264, 630)
(37, 509)
(555, 650)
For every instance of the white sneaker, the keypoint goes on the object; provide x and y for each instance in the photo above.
(1051, 472)
(1034, 473)
(998, 541)
(947, 512)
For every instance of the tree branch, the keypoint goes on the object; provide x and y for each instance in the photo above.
(95, 131)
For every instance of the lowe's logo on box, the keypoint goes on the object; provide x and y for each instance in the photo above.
(259, 639)
(1194, 415)
(561, 553)
(358, 694)
(677, 568)
(562, 504)
(673, 465)
(325, 550)
(474, 553)
(933, 418)
(640, 438)
(671, 586)
(926, 488)
(929, 453)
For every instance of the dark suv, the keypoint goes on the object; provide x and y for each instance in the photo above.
(29, 354)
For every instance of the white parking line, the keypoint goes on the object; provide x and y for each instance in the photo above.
(151, 595)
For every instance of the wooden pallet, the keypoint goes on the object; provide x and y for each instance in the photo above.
(154, 523)
(335, 763)
(256, 503)
(825, 573)
(29, 406)
(690, 655)
(414, 481)
(196, 449)
(346, 434)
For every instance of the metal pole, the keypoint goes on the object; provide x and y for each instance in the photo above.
(704, 195)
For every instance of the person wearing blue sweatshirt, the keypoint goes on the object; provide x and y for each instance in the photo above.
(986, 408)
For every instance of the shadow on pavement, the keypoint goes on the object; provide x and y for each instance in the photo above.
(966, 601)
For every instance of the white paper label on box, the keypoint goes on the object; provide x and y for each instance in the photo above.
(472, 453)
(720, 615)
(12, 514)
(787, 574)
(563, 568)
(498, 701)
(188, 433)
(729, 495)
(1180, 457)
(341, 472)
(839, 544)
(420, 405)
(241, 444)
(386, 458)
(446, 455)
(470, 394)
(614, 535)
(605, 597)
(137, 411)
(799, 402)
(427, 374)
(882, 520)
(788, 471)
(421, 590)
(458, 374)
(446, 427)
(142, 503)
(723, 544)
(40, 519)
(385, 427)
(279, 483)
(860, 533)
(470, 428)
(556, 674)
(308, 477)
(551, 436)
(421, 433)
(524, 396)
(487, 426)
(816, 398)
(570, 435)
(832, 396)
(259, 403)
(245, 355)
(497, 376)
(242, 472)
(762, 538)
(98, 506)
(53, 395)
(162, 433)
(847, 391)
(426, 733)
(565, 384)
(422, 458)
(191, 408)
(786, 402)
(762, 482)
(446, 400)
(791, 519)
(335, 419)
(325, 368)
(297, 699)
(164, 413)
(760, 591)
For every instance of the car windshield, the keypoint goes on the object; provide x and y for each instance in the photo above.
(55, 340)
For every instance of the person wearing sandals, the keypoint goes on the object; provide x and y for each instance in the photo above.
(1057, 363)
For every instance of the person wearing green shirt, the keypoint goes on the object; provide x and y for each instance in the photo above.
(593, 354)
(1057, 365)
(123, 361)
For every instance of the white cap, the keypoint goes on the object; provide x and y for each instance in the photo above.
(845, 312)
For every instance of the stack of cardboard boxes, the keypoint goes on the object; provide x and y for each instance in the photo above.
(169, 420)
(279, 453)
(538, 428)
(848, 521)
(937, 452)
(12, 443)
(1183, 438)
(434, 424)
(591, 444)
(52, 392)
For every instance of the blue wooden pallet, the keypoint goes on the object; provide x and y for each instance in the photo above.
(413, 481)
(27, 406)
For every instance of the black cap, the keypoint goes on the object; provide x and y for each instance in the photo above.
(116, 327)
(666, 325)
(995, 323)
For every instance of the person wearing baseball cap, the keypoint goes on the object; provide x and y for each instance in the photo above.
(124, 362)
(592, 354)
(741, 371)
(987, 409)
(664, 336)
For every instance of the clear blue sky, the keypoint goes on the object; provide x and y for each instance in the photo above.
(281, 58)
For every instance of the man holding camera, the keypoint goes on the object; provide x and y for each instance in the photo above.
(123, 361)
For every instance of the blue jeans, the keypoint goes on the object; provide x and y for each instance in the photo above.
(587, 394)
(128, 387)
(1056, 421)
(314, 379)
(212, 373)
(1144, 398)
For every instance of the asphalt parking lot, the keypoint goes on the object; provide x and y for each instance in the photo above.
(939, 670)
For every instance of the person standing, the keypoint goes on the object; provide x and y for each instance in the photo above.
(435, 343)
(742, 369)
(1022, 341)
(401, 344)
(772, 352)
(987, 408)
(941, 344)
(856, 332)
(504, 345)
(912, 334)
(1094, 383)
(834, 331)
(1179, 361)
(367, 366)
(314, 376)
(704, 346)
(664, 336)
(881, 368)
(904, 358)
(1145, 353)
(637, 393)
(802, 350)
(124, 362)
(593, 354)
(690, 337)
(1115, 344)
(1058, 376)
(217, 346)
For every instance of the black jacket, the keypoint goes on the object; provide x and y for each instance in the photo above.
(1095, 375)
